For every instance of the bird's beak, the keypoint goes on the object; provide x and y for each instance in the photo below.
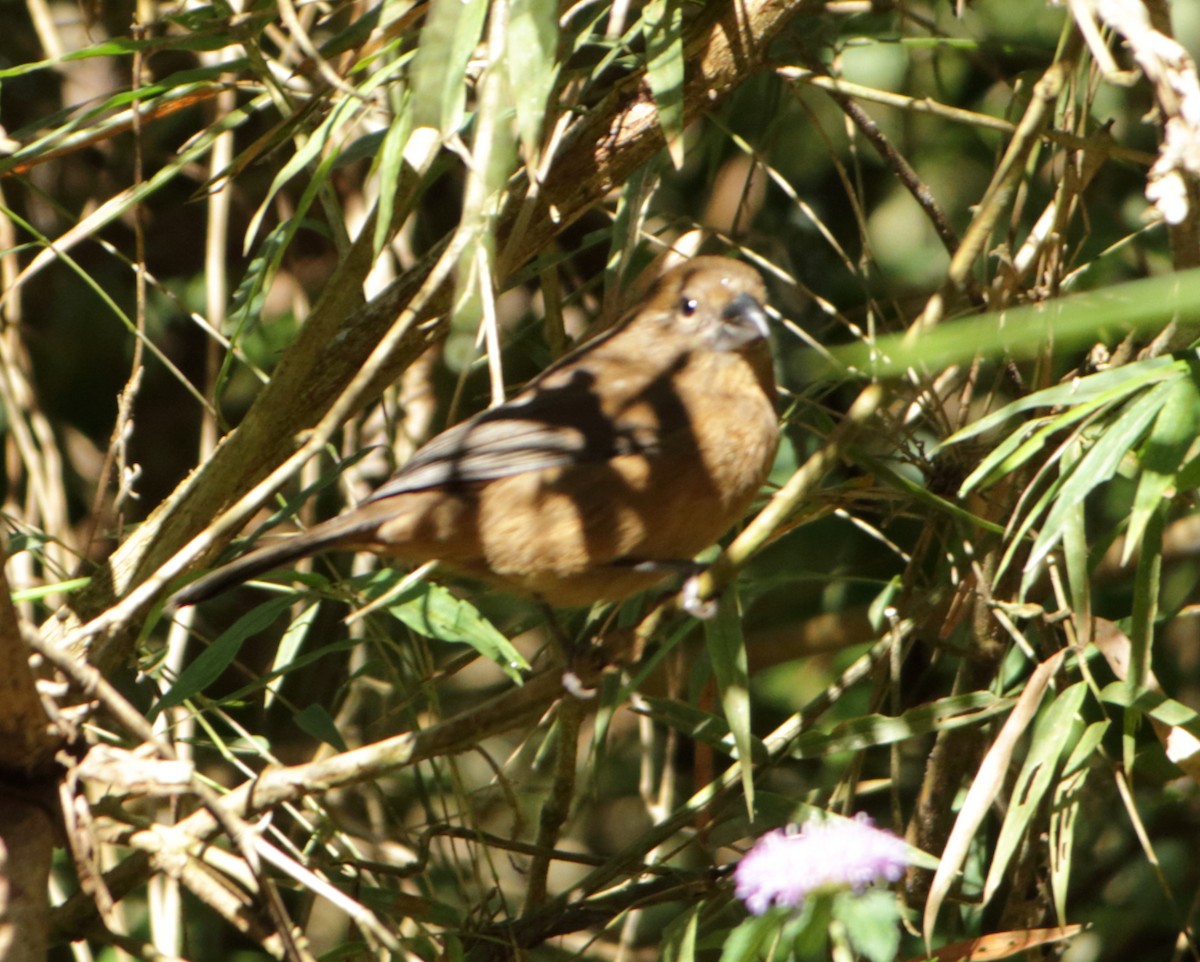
(745, 312)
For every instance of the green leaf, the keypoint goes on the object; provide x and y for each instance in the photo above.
(705, 727)
(1084, 399)
(629, 224)
(1089, 741)
(1006, 456)
(1054, 731)
(1146, 585)
(870, 731)
(1075, 556)
(432, 611)
(1093, 391)
(290, 507)
(872, 922)
(289, 647)
(881, 604)
(727, 653)
(1023, 332)
(1017, 449)
(339, 650)
(1063, 813)
(389, 166)
(747, 941)
(662, 23)
(1154, 704)
(1163, 456)
(530, 47)
(42, 591)
(106, 49)
(210, 663)
(448, 39)
(1188, 478)
(679, 937)
(319, 148)
(1096, 467)
(317, 722)
(1023, 521)
(808, 934)
(920, 492)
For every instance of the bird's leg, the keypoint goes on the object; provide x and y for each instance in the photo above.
(566, 645)
(575, 657)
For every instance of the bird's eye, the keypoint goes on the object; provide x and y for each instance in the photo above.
(687, 306)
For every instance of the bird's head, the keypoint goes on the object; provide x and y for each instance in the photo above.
(716, 300)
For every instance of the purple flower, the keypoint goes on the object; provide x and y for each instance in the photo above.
(786, 866)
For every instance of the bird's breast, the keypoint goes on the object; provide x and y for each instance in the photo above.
(574, 532)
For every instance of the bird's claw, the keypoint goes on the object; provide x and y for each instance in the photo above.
(576, 687)
(702, 609)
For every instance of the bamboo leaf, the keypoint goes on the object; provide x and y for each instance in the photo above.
(1093, 391)
(1162, 457)
(985, 787)
(317, 722)
(727, 653)
(1023, 332)
(447, 42)
(1097, 466)
(871, 731)
(1052, 733)
(432, 611)
(530, 61)
(208, 666)
(289, 647)
(662, 22)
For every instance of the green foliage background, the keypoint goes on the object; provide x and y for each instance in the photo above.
(989, 463)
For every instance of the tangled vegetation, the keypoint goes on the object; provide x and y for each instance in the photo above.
(254, 254)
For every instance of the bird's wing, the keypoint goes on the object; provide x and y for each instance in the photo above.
(528, 434)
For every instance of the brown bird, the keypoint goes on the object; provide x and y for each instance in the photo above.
(607, 472)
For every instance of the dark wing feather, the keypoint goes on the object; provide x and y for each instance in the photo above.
(533, 433)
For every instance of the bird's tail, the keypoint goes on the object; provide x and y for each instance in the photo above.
(257, 562)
